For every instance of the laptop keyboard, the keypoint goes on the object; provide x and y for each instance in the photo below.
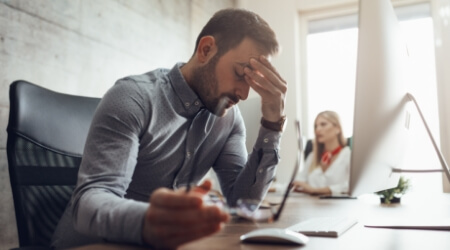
(324, 226)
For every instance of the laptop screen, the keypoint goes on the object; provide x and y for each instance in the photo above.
(249, 209)
(294, 173)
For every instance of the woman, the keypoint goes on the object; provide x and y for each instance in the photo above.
(326, 170)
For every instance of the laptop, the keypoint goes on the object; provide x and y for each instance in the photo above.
(250, 209)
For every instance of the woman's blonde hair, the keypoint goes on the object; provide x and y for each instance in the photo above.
(319, 148)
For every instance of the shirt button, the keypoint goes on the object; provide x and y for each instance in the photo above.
(261, 171)
(266, 140)
(187, 104)
(188, 154)
(196, 103)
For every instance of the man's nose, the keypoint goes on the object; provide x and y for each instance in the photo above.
(242, 91)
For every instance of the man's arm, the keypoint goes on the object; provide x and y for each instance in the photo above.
(254, 179)
(247, 176)
(109, 159)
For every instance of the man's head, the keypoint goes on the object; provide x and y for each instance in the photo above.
(229, 27)
(223, 49)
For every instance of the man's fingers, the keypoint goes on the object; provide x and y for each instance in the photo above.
(164, 197)
(173, 228)
(265, 74)
(204, 188)
(256, 86)
(177, 217)
(266, 63)
(266, 89)
(186, 216)
(258, 79)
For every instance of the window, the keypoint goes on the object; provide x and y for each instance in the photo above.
(331, 48)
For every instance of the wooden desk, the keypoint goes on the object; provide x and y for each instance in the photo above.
(300, 207)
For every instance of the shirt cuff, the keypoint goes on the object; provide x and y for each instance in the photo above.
(268, 139)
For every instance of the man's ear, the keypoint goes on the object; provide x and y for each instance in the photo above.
(206, 49)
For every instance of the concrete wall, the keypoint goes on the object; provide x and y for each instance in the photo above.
(81, 47)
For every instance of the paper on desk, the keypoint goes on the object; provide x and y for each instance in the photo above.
(410, 223)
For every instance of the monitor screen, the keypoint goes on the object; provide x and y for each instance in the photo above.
(381, 117)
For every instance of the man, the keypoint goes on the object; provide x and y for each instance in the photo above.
(152, 131)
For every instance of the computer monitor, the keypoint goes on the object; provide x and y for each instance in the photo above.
(381, 117)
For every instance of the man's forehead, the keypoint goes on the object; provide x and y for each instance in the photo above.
(246, 50)
(246, 63)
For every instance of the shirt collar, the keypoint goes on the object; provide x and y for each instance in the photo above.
(189, 99)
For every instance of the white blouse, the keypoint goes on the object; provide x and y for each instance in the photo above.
(336, 177)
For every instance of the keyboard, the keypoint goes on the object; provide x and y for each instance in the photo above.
(324, 226)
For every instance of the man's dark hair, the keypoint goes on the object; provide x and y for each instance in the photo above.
(230, 26)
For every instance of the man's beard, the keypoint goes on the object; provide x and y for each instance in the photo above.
(207, 87)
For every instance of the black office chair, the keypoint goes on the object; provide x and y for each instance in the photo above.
(46, 135)
(309, 146)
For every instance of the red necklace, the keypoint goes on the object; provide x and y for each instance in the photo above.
(326, 156)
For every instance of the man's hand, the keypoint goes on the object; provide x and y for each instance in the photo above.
(176, 217)
(267, 82)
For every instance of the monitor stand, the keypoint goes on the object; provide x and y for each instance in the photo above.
(417, 223)
(444, 164)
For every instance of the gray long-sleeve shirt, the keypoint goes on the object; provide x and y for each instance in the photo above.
(151, 131)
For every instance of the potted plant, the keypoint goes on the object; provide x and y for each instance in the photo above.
(393, 195)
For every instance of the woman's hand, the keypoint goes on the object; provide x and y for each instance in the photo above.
(303, 187)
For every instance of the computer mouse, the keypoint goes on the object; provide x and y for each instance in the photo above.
(274, 236)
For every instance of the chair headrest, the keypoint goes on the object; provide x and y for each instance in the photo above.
(56, 121)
